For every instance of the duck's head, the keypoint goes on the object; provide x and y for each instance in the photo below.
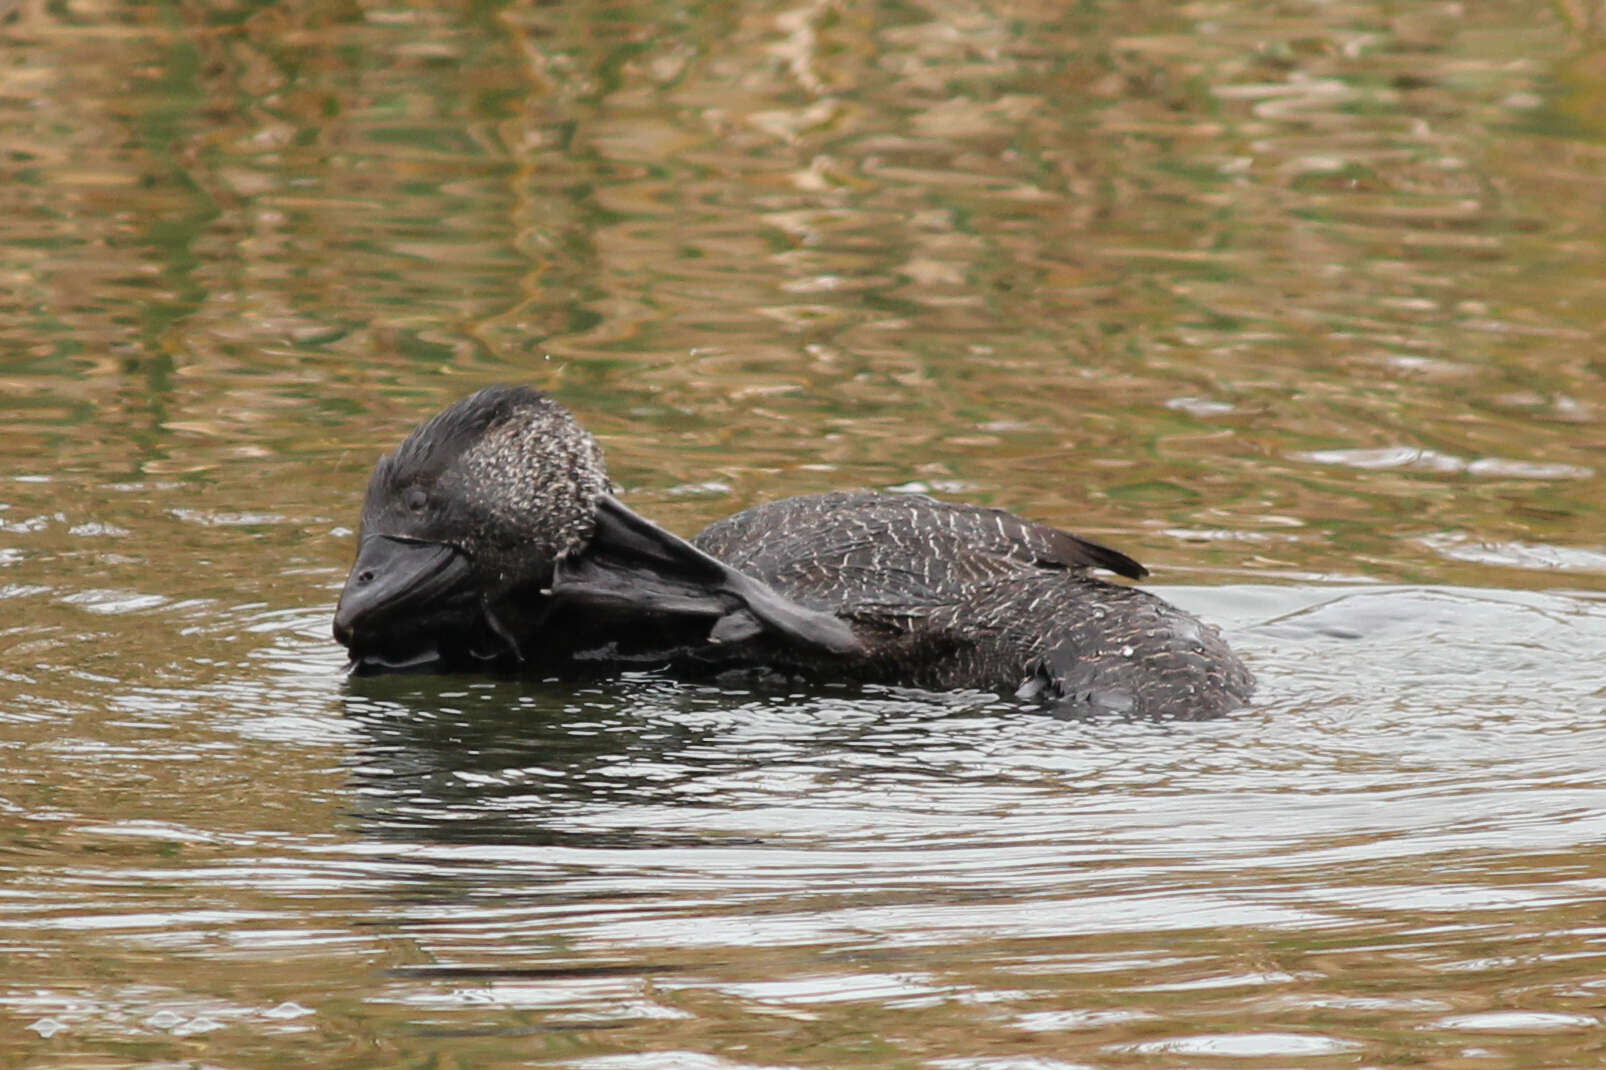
(494, 515)
(476, 504)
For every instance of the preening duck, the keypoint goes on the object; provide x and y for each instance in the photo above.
(491, 541)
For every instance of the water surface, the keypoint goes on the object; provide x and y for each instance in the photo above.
(1299, 304)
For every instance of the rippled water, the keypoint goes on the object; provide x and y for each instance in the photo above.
(1301, 304)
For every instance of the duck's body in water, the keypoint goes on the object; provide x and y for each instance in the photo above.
(490, 541)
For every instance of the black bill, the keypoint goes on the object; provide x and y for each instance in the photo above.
(397, 587)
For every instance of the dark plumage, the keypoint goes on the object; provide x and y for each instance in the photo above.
(490, 539)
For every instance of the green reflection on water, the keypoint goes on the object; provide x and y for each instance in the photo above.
(1257, 292)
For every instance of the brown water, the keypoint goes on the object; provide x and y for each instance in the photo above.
(1301, 303)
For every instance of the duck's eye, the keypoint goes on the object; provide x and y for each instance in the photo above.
(417, 499)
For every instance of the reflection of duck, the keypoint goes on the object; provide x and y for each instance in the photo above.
(490, 540)
(515, 762)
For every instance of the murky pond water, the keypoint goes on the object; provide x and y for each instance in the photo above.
(1301, 304)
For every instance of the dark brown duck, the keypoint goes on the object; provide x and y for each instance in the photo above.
(490, 541)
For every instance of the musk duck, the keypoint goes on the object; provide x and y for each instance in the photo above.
(491, 540)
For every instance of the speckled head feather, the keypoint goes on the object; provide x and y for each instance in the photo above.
(506, 474)
(435, 444)
(536, 475)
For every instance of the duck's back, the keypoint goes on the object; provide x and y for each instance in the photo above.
(953, 595)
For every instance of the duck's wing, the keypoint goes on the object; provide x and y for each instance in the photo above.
(632, 565)
(993, 531)
(895, 554)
